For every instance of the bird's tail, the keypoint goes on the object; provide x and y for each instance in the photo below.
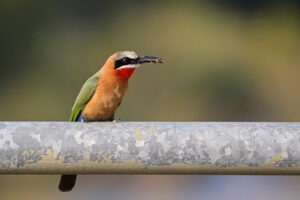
(67, 183)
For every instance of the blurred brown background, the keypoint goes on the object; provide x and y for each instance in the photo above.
(235, 60)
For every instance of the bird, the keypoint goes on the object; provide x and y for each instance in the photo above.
(102, 94)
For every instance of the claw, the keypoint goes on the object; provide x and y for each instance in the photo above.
(116, 121)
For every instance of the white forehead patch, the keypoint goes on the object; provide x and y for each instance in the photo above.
(129, 54)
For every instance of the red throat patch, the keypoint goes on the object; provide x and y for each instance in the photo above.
(125, 72)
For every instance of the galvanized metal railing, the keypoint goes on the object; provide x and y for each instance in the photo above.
(150, 148)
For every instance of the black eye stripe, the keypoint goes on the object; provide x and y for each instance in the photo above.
(123, 61)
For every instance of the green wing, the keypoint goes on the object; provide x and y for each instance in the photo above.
(84, 96)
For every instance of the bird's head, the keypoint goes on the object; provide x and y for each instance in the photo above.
(125, 62)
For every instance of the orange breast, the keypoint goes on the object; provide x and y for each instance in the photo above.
(106, 99)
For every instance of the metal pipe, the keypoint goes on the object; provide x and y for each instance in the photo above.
(150, 148)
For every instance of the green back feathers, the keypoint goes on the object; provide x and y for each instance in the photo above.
(84, 96)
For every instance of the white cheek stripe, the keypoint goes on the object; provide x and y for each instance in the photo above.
(128, 66)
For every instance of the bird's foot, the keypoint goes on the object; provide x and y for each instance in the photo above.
(116, 120)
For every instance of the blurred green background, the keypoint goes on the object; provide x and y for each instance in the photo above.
(235, 60)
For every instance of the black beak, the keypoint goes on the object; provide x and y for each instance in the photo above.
(139, 60)
(149, 59)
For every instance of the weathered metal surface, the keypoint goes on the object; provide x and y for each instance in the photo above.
(149, 148)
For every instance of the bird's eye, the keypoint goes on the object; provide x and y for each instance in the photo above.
(122, 61)
(125, 59)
